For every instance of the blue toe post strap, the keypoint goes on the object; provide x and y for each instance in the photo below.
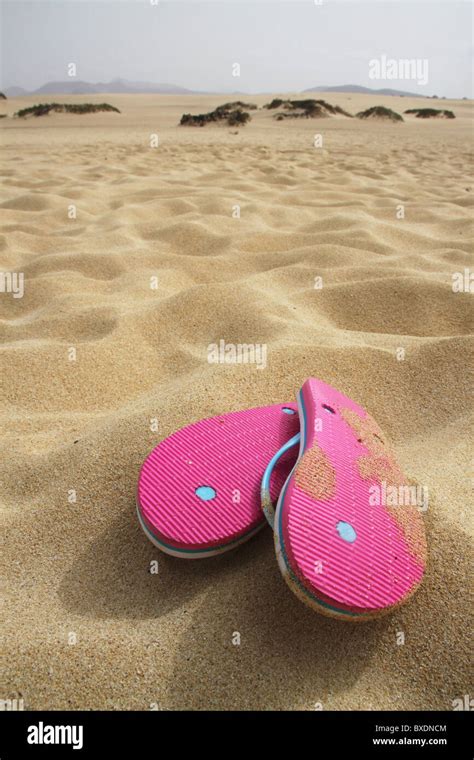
(267, 505)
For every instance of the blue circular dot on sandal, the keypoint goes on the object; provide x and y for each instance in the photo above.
(346, 531)
(206, 493)
(287, 410)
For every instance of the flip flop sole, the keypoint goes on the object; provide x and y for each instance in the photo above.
(198, 490)
(342, 548)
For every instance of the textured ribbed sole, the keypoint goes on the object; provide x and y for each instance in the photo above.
(199, 490)
(342, 549)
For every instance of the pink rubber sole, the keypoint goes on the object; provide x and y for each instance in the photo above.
(199, 490)
(342, 548)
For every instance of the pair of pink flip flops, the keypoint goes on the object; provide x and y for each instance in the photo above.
(212, 485)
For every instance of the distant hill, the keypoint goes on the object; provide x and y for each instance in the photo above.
(71, 87)
(15, 92)
(357, 89)
(79, 87)
(124, 86)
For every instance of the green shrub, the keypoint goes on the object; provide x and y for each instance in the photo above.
(226, 113)
(379, 112)
(43, 109)
(238, 118)
(276, 103)
(431, 113)
(309, 108)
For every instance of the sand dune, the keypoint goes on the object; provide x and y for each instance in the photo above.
(88, 625)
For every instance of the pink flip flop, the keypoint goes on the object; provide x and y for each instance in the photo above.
(340, 547)
(198, 490)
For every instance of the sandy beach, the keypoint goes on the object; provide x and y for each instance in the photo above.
(135, 260)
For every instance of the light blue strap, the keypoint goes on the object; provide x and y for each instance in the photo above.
(267, 506)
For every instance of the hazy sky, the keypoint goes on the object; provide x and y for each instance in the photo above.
(280, 46)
